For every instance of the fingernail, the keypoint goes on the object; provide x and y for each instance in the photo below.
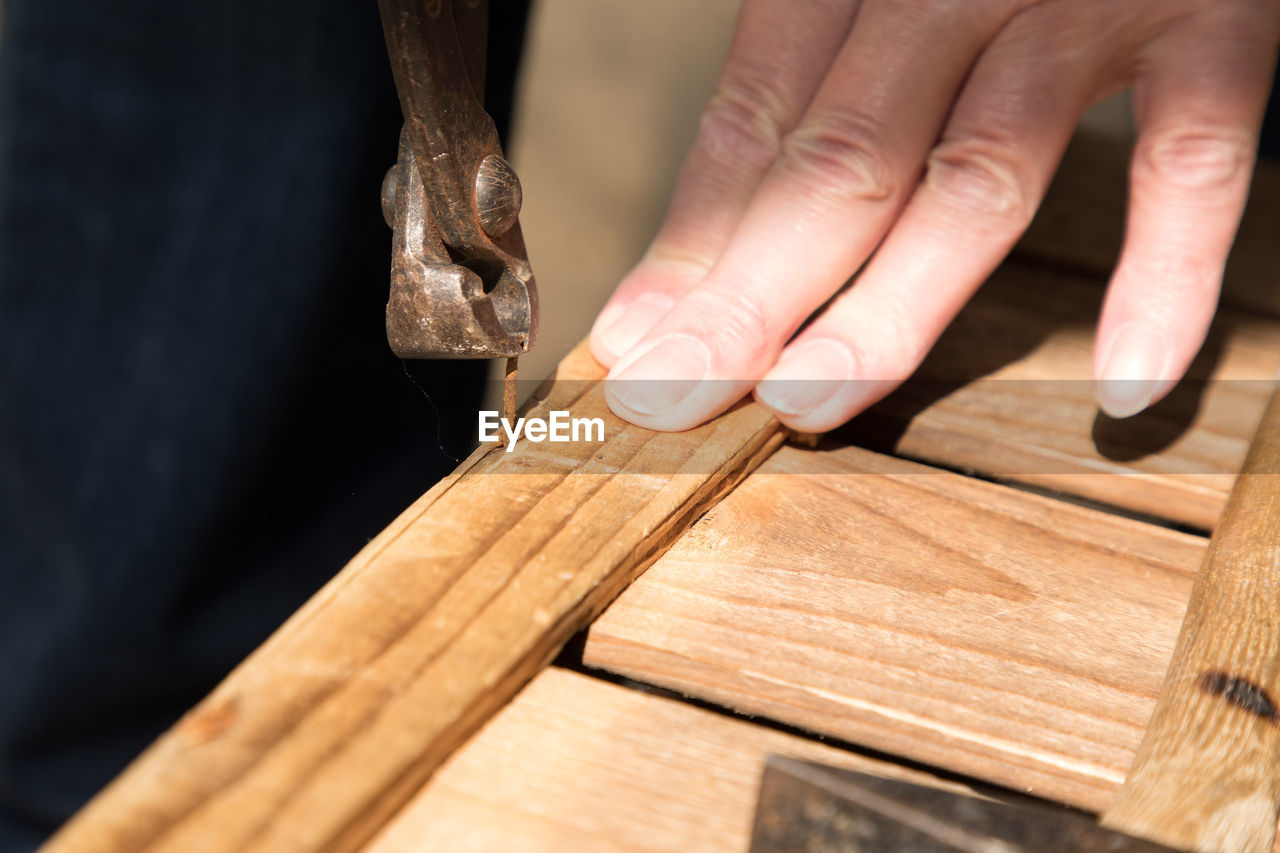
(664, 376)
(622, 326)
(806, 376)
(1133, 370)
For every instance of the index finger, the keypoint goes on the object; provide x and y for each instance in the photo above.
(775, 64)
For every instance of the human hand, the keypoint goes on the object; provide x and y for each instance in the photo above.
(927, 131)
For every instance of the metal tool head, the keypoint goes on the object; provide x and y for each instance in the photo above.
(461, 284)
(806, 808)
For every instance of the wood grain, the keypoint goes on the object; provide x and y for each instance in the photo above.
(332, 724)
(1081, 222)
(1008, 393)
(579, 764)
(1015, 638)
(1207, 774)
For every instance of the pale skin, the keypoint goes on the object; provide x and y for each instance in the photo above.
(911, 141)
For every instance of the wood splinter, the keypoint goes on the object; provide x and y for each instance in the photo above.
(509, 375)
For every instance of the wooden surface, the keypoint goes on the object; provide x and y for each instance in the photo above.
(1081, 223)
(1207, 774)
(1007, 636)
(579, 764)
(315, 740)
(1008, 393)
(965, 624)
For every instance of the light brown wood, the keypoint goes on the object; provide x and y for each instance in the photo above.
(957, 622)
(1015, 638)
(332, 724)
(1207, 774)
(1081, 223)
(578, 764)
(1008, 393)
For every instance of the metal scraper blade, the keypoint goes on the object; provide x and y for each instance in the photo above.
(805, 807)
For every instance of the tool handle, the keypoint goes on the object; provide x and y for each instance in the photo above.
(449, 130)
(1207, 774)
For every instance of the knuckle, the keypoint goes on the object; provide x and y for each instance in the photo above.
(906, 340)
(681, 258)
(1174, 283)
(845, 155)
(902, 353)
(1195, 159)
(955, 15)
(891, 348)
(982, 179)
(740, 320)
(743, 121)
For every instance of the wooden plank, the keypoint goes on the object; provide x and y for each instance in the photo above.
(1008, 393)
(332, 724)
(579, 764)
(1206, 773)
(1007, 636)
(1081, 222)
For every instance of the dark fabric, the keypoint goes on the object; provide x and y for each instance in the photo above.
(200, 420)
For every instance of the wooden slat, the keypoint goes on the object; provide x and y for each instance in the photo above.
(1206, 774)
(1008, 393)
(1081, 223)
(578, 764)
(1004, 635)
(330, 726)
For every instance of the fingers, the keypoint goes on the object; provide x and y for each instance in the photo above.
(840, 179)
(1199, 104)
(776, 62)
(983, 183)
